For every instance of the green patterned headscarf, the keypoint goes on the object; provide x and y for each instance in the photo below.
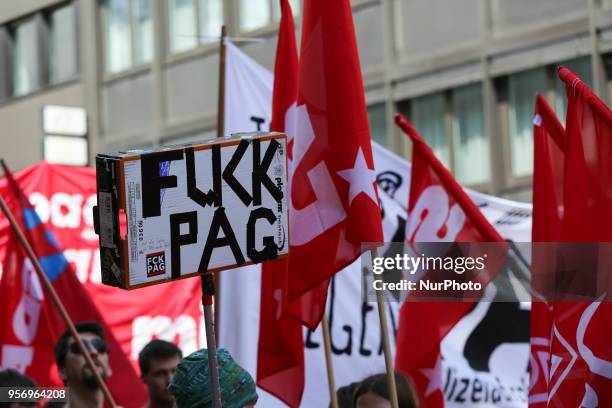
(191, 382)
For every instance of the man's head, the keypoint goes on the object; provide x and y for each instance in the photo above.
(71, 363)
(14, 379)
(157, 361)
(191, 382)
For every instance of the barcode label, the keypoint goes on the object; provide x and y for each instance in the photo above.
(132, 186)
(106, 220)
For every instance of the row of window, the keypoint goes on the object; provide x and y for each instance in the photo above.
(128, 26)
(41, 51)
(452, 121)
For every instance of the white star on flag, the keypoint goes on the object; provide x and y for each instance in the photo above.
(361, 178)
(434, 376)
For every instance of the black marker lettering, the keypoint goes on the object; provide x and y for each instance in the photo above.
(270, 251)
(153, 183)
(177, 240)
(220, 222)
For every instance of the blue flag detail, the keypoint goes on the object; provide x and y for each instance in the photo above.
(53, 265)
(30, 218)
(51, 238)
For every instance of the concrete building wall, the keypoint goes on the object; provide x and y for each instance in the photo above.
(191, 89)
(21, 141)
(11, 10)
(408, 49)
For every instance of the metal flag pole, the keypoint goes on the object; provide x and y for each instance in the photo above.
(56, 301)
(333, 397)
(384, 326)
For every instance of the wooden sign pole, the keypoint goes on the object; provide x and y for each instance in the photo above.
(384, 326)
(331, 381)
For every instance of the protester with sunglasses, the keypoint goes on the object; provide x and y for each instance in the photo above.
(83, 390)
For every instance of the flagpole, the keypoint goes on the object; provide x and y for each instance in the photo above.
(331, 382)
(221, 96)
(56, 301)
(220, 131)
(384, 326)
(210, 291)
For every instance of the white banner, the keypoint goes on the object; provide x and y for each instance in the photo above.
(485, 356)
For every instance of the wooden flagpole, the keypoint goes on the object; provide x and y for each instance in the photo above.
(56, 301)
(220, 131)
(384, 326)
(331, 382)
(210, 285)
(221, 96)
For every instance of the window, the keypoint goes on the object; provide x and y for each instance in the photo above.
(142, 21)
(26, 76)
(276, 11)
(452, 124)
(128, 30)
(211, 20)
(378, 124)
(428, 119)
(182, 25)
(194, 22)
(118, 42)
(255, 14)
(522, 88)
(470, 144)
(39, 50)
(63, 64)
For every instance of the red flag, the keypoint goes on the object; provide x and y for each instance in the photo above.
(34, 323)
(334, 202)
(438, 211)
(548, 174)
(280, 354)
(581, 357)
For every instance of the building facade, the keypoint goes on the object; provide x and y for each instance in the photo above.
(146, 72)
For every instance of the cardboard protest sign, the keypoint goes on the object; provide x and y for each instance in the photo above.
(191, 208)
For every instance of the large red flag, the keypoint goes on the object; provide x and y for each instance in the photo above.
(548, 175)
(581, 357)
(334, 202)
(438, 211)
(280, 354)
(31, 325)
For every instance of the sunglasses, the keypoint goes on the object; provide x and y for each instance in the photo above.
(98, 344)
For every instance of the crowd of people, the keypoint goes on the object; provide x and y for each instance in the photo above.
(174, 381)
